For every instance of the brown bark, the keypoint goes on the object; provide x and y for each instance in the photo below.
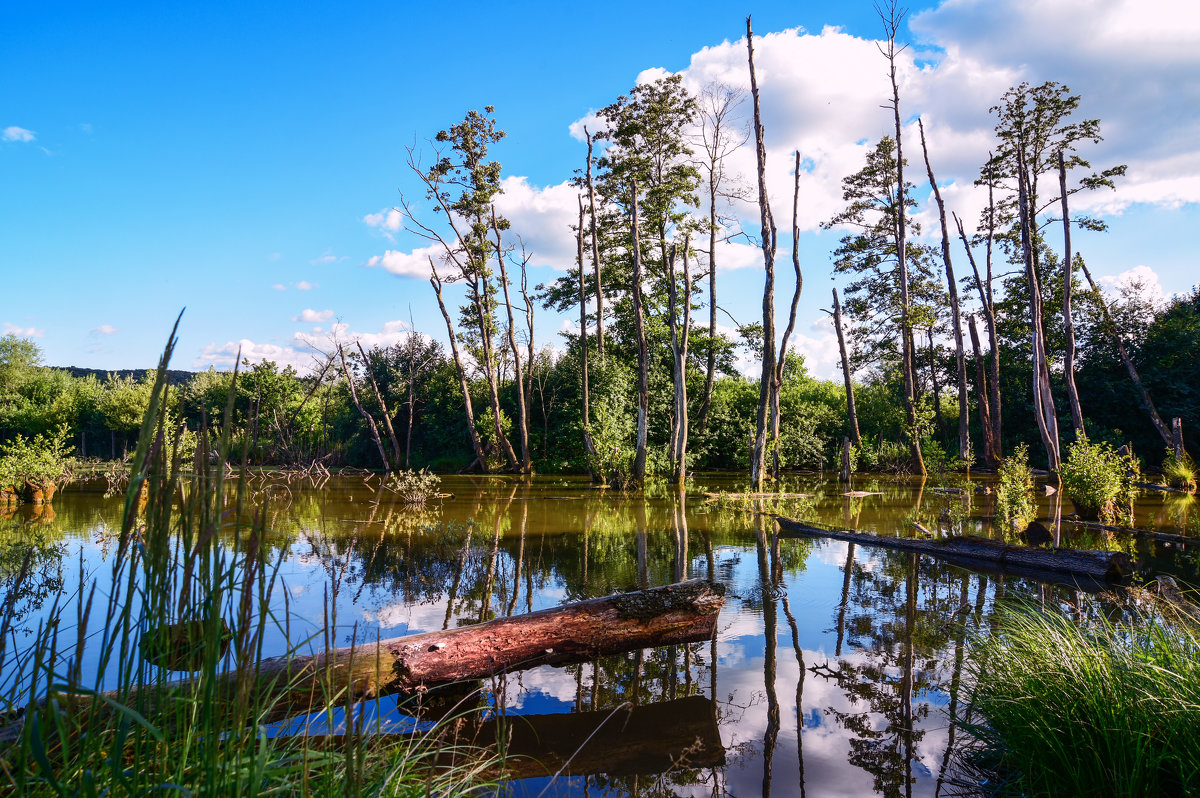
(1069, 276)
(522, 409)
(362, 412)
(679, 334)
(685, 612)
(476, 443)
(585, 389)
(643, 355)
(964, 430)
(981, 390)
(595, 252)
(387, 416)
(777, 383)
(1143, 394)
(767, 378)
(851, 411)
(1093, 564)
(1043, 400)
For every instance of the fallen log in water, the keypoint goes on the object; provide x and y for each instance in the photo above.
(685, 612)
(1101, 565)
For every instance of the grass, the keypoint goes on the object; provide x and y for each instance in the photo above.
(1104, 708)
(84, 712)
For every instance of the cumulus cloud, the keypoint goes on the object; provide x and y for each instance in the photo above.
(305, 350)
(104, 329)
(14, 133)
(310, 316)
(407, 264)
(22, 332)
(388, 222)
(1141, 280)
(305, 285)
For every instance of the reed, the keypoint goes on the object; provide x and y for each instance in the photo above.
(1066, 708)
(90, 701)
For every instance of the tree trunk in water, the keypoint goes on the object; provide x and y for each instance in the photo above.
(991, 402)
(1069, 272)
(481, 299)
(362, 412)
(1143, 394)
(476, 444)
(1043, 400)
(387, 416)
(777, 382)
(844, 475)
(964, 429)
(522, 411)
(981, 390)
(937, 389)
(851, 411)
(595, 251)
(679, 332)
(643, 356)
(766, 381)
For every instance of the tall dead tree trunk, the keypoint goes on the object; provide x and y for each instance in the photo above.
(1068, 321)
(851, 411)
(595, 251)
(1143, 394)
(964, 429)
(939, 419)
(643, 355)
(766, 381)
(1043, 399)
(476, 443)
(981, 390)
(777, 385)
(362, 412)
(585, 388)
(387, 416)
(892, 15)
(522, 409)
(991, 419)
(481, 301)
(679, 331)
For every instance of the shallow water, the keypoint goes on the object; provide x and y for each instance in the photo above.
(834, 670)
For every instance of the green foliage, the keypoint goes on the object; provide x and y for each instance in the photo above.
(1066, 708)
(1099, 481)
(1015, 507)
(42, 462)
(414, 487)
(1180, 472)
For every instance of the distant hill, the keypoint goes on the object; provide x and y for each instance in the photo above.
(174, 376)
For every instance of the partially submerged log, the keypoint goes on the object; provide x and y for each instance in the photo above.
(1102, 565)
(741, 496)
(685, 612)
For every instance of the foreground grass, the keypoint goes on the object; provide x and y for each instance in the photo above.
(190, 587)
(1099, 709)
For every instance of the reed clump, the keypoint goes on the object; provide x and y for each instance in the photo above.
(88, 705)
(1069, 708)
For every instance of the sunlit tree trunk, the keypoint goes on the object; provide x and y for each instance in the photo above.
(522, 414)
(476, 443)
(643, 356)
(1068, 321)
(780, 362)
(851, 411)
(595, 252)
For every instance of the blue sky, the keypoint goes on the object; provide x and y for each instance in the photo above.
(241, 162)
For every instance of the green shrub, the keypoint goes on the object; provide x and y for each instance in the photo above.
(1180, 472)
(1099, 481)
(414, 487)
(42, 462)
(1015, 507)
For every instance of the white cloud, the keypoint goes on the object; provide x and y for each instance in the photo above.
(279, 287)
(22, 332)
(310, 316)
(104, 329)
(327, 258)
(1140, 279)
(407, 264)
(304, 351)
(14, 133)
(542, 218)
(305, 285)
(388, 221)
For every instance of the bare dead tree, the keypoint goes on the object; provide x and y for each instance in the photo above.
(851, 410)
(595, 251)
(1068, 321)
(759, 450)
(585, 389)
(777, 379)
(992, 419)
(680, 333)
(387, 416)
(361, 411)
(964, 430)
(522, 411)
(476, 443)
(719, 137)
(981, 390)
(643, 355)
(891, 14)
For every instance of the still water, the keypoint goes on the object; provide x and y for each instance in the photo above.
(834, 671)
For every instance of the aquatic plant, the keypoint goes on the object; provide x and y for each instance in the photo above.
(1067, 708)
(38, 466)
(1099, 481)
(1014, 492)
(83, 711)
(414, 487)
(1180, 472)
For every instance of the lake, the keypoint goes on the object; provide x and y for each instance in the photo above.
(835, 667)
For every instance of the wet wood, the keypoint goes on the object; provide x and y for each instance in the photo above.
(685, 612)
(1102, 565)
(739, 496)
